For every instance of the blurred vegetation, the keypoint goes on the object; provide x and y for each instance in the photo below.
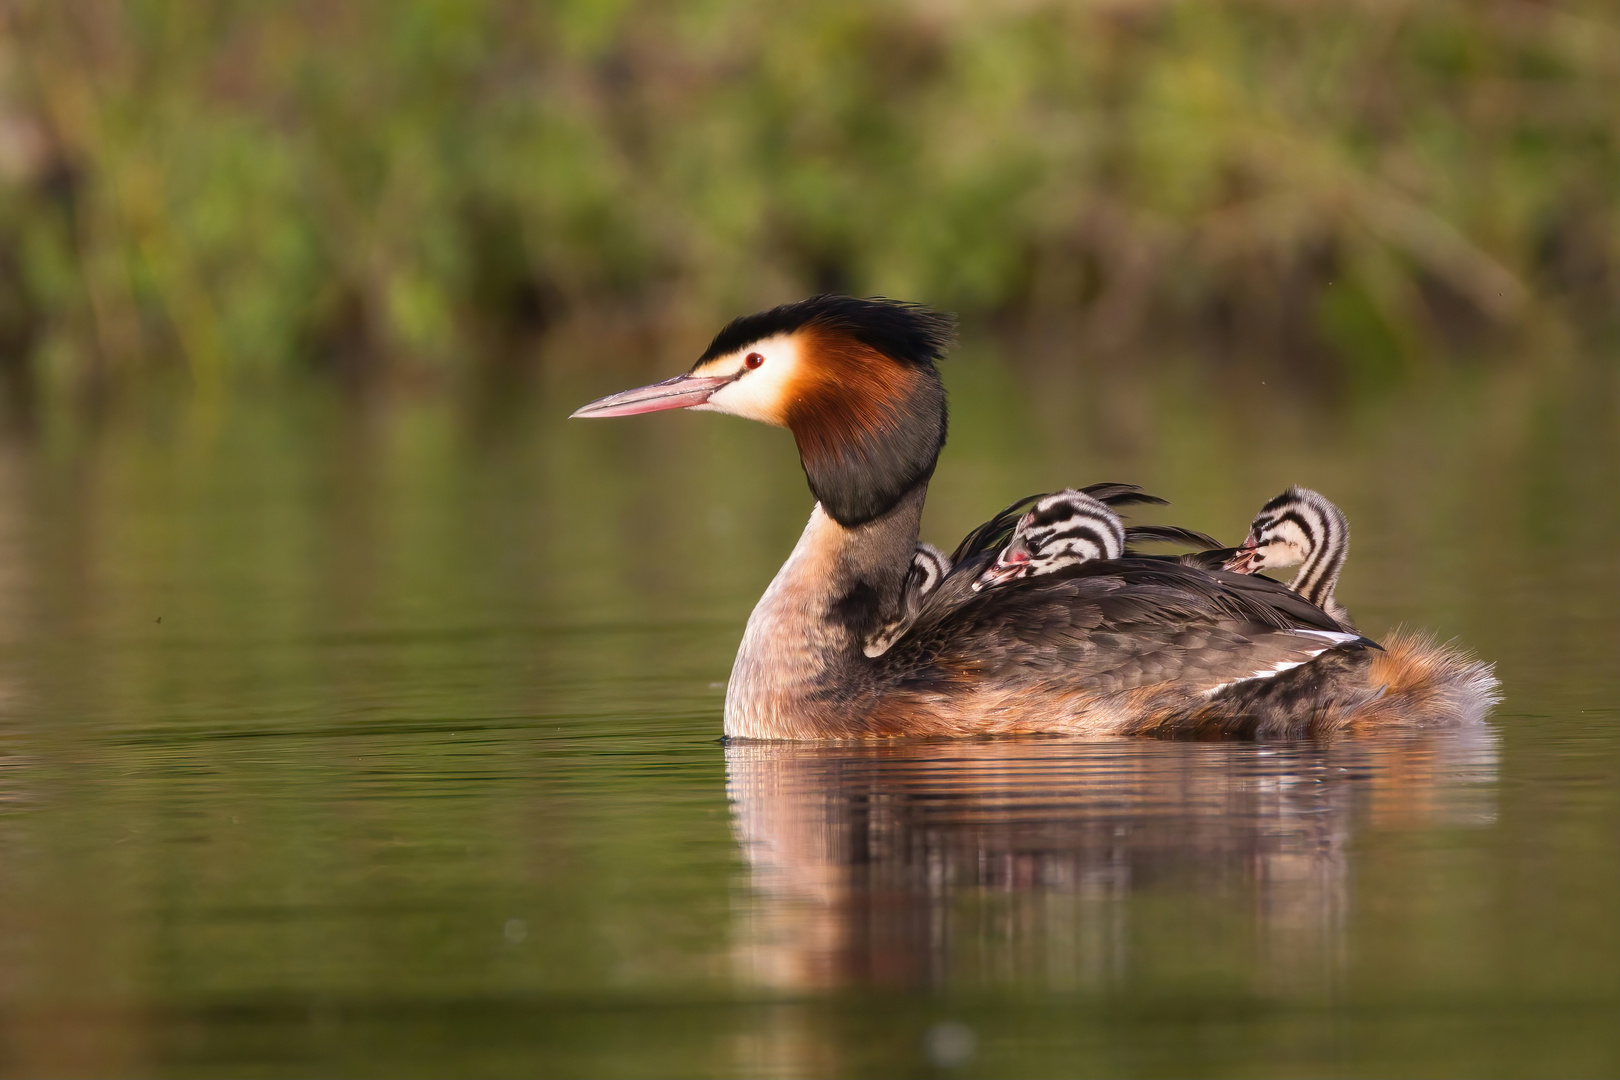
(425, 187)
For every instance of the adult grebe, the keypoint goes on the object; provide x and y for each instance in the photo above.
(1300, 527)
(1108, 646)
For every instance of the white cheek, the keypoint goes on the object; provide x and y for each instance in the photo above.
(1277, 555)
(760, 394)
(1291, 546)
(755, 396)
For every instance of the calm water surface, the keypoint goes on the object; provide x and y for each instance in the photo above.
(364, 740)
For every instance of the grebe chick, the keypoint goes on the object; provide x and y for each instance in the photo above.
(929, 565)
(1133, 645)
(1062, 529)
(1065, 528)
(1300, 527)
(995, 534)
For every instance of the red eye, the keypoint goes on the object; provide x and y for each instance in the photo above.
(753, 360)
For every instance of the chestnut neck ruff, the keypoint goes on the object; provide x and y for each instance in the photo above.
(868, 429)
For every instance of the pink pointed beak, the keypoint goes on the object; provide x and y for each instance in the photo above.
(681, 392)
(1243, 561)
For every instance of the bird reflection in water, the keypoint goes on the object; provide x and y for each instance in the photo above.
(1071, 865)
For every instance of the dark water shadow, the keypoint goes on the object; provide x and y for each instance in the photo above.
(1082, 863)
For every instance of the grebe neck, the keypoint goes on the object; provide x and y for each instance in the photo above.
(801, 655)
(1318, 576)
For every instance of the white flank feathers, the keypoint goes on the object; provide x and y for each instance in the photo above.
(1329, 638)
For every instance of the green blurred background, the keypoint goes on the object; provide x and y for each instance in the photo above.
(432, 193)
(359, 712)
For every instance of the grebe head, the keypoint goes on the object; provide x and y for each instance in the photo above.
(1287, 530)
(929, 565)
(927, 569)
(853, 379)
(1061, 529)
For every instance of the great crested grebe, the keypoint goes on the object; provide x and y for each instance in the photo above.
(1132, 645)
(1300, 528)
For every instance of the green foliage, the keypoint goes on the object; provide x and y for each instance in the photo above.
(250, 186)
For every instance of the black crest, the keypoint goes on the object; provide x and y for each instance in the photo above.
(909, 333)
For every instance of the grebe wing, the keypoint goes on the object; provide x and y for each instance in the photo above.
(1174, 534)
(994, 534)
(1112, 626)
(1209, 559)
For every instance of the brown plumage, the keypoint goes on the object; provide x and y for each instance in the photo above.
(844, 644)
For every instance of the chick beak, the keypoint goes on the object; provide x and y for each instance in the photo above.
(1243, 560)
(1011, 565)
(681, 392)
